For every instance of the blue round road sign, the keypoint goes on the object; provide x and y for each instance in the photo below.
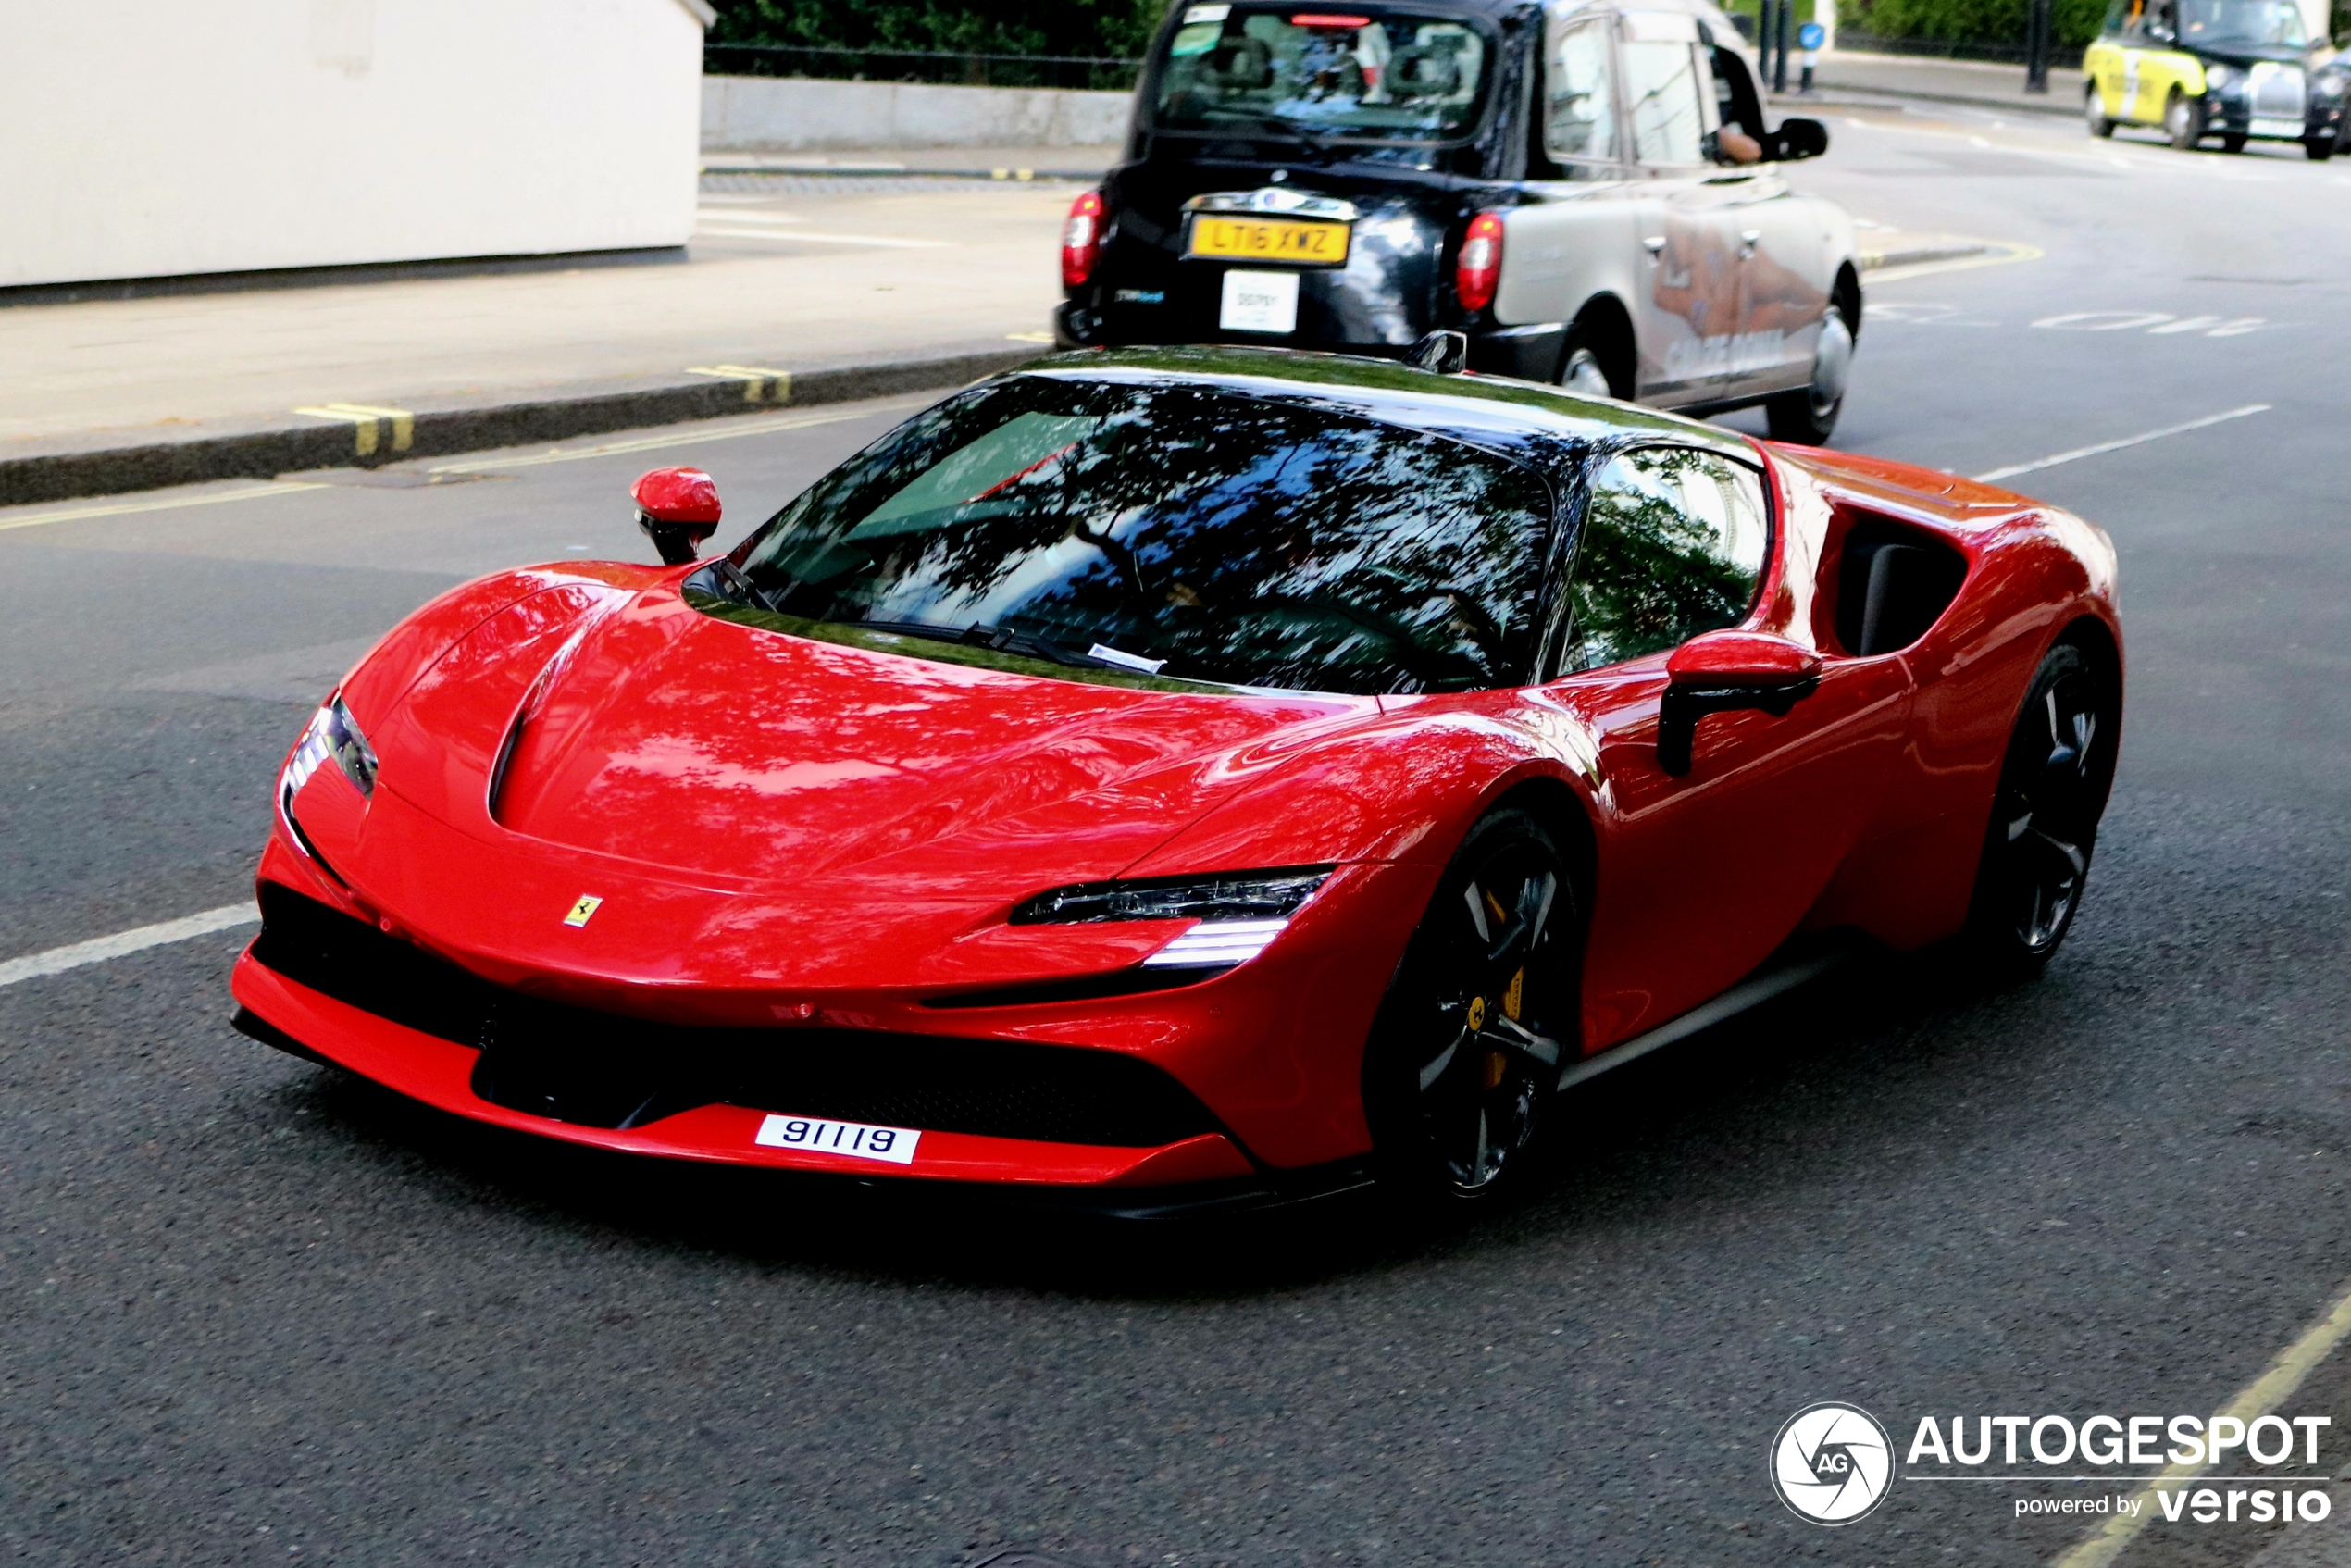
(1810, 36)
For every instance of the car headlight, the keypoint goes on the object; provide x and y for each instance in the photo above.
(333, 733)
(2219, 78)
(1238, 915)
(2331, 83)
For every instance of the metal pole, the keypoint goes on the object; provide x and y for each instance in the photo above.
(1788, 25)
(2036, 64)
(1764, 40)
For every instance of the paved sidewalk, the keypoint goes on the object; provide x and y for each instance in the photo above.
(1845, 77)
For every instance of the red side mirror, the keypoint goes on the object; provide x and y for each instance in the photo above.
(1740, 658)
(678, 508)
(1719, 672)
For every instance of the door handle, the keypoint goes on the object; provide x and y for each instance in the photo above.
(1654, 245)
(1747, 240)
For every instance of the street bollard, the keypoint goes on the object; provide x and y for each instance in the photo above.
(1808, 37)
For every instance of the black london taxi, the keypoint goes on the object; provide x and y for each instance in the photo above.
(1588, 190)
(2241, 70)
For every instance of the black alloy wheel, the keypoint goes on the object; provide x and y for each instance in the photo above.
(1465, 1057)
(2045, 816)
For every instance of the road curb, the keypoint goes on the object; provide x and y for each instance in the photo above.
(264, 452)
(1852, 97)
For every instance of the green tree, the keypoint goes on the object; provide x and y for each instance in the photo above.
(2073, 22)
(1114, 28)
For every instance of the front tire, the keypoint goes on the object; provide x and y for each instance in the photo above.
(2045, 816)
(2233, 143)
(2318, 148)
(2094, 110)
(2183, 120)
(1464, 1059)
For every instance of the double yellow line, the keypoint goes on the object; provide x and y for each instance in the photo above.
(2260, 1398)
(368, 422)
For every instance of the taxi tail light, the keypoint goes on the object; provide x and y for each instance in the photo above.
(1479, 271)
(1082, 240)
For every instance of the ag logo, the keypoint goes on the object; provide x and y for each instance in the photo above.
(1832, 1462)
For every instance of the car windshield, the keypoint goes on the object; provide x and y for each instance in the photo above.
(1242, 70)
(2242, 21)
(1174, 532)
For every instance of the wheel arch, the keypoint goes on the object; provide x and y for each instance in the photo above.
(1603, 322)
(1554, 802)
(1846, 296)
(2096, 643)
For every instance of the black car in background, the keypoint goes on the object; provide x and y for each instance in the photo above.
(1589, 190)
(2241, 70)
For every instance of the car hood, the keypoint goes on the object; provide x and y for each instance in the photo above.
(635, 726)
(2250, 54)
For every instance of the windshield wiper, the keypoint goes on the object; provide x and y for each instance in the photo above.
(997, 639)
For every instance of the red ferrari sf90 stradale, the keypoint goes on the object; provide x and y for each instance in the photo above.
(1187, 776)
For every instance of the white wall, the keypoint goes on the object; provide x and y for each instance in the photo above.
(147, 137)
(789, 114)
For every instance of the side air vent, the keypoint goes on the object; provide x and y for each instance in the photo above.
(1895, 584)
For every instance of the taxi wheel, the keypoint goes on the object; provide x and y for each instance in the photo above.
(1463, 1061)
(2233, 143)
(2183, 120)
(1583, 374)
(1806, 416)
(2320, 148)
(2094, 110)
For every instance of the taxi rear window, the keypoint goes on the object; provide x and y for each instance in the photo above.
(1249, 70)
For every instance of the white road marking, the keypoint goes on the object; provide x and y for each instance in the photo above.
(654, 444)
(255, 493)
(2081, 452)
(2266, 1393)
(2001, 253)
(2103, 320)
(57, 960)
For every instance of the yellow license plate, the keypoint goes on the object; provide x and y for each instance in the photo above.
(1309, 244)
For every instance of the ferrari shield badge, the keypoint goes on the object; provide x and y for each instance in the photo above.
(584, 910)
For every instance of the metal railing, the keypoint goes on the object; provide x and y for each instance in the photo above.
(1091, 71)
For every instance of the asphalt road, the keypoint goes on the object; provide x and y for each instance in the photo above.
(252, 1312)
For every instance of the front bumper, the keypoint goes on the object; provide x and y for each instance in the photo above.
(2234, 117)
(1246, 1082)
(443, 1074)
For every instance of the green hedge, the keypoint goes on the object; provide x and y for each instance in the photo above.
(1113, 29)
(2075, 22)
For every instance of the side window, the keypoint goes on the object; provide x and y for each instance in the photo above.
(1673, 545)
(1579, 123)
(1662, 97)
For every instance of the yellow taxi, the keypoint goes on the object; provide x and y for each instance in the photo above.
(2239, 69)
